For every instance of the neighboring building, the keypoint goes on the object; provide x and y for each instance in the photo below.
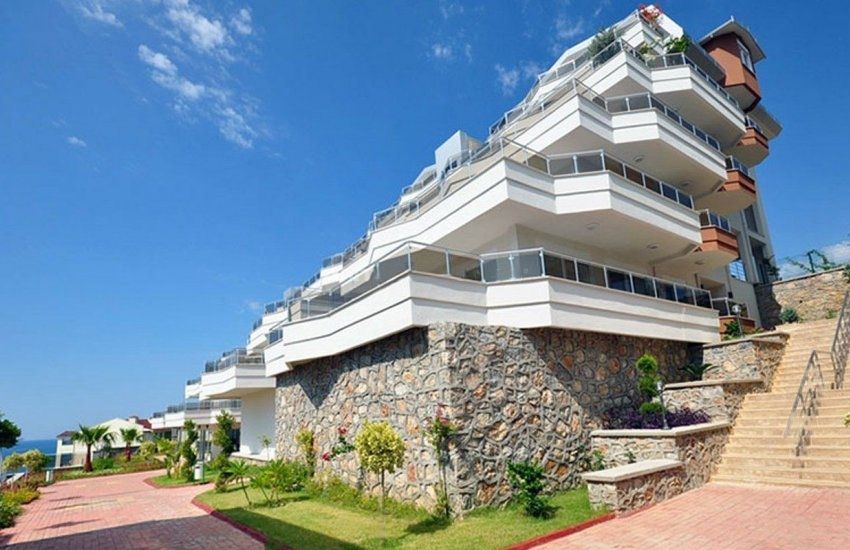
(613, 212)
(70, 453)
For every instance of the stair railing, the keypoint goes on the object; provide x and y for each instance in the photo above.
(806, 400)
(841, 343)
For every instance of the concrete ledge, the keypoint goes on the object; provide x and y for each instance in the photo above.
(672, 432)
(761, 337)
(630, 471)
(718, 382)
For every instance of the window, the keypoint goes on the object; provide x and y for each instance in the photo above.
(746, 58)
(737, 271)
(750, 216)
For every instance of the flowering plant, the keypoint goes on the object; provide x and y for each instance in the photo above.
(651, 12)
(438, 432)
(342, 445)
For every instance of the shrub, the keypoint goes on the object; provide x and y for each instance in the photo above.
(647, 367)
(306, 441)
(279, 477)
(696, 372)
(241, 472)
(222, 434)
(603, 39)
(526, 479)
(333, 489)
(23, 495)
(8, 511)
(147, 451)
(380, 450)
(437, 434)
(627, 418)
(597, 461)
(187, 449)
(678, 45)
(789, 315)
(651, 407)
(733, 330)
(103, 463)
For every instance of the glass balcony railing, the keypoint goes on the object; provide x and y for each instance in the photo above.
(237, 356)
(488, 268)
(212, 404)
(734, 164)
(193, 381)
(671, 60)
(645, 100)
(726, 307)
(750, 123)
(158, 414)
(708, 218)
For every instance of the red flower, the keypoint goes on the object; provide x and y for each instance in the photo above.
(342, 430)
(326, 456)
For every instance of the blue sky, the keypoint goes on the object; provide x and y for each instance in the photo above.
(167, 167)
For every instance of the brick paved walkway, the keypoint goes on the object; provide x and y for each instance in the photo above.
(728, 517)
(119, 512)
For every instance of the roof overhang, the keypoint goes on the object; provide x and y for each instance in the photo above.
(742, 32)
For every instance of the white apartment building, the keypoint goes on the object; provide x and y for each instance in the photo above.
(72, 453)
(616, 205)
(619, 196)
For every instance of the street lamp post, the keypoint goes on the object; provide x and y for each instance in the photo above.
(736, 310)
(659, 385)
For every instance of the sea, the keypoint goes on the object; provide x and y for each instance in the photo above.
(47, 446)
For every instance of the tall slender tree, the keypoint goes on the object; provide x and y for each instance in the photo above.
(91, 436)
(130, 436)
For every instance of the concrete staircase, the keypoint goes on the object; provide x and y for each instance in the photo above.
(758, 451)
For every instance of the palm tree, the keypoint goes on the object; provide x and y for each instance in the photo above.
(90, 436)
(240, 471)
(130, 436)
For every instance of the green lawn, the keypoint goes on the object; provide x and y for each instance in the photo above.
(309, 522)
(177, 481)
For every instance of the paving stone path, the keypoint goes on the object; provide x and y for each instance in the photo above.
(120, 512)
(728, 517)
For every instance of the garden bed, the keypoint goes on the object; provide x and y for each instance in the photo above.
(308, 520)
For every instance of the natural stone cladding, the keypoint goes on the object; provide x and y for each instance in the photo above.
(514, 394)
(637, 492)
(753, 358)
(812, 296)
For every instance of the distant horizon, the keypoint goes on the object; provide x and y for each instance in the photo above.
(166, 181)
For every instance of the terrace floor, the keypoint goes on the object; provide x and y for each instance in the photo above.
(728, 517)
(120, 512)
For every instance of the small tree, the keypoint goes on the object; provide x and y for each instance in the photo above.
(222, 438)
(647, 367)
(34, 461)
(187, 449)
(306, 441)
(91, 436)
(380, 450)
(241, 472)
(130, 436)
(438, 433)
(526, 479)
(9, 435)
(265, 442)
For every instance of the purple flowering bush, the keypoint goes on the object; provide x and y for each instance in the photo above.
(629, 418)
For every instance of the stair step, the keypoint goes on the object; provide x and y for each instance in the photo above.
(779, 430)
(806, 462)
(819, 421)
(767, 480)
(767, 412)
(815, 474)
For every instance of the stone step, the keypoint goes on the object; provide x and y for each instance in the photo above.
(829, 396)
(758, 461)
(769, 412)
(821, 420)
(828, 440)
(779, 430)
(813, 474)
(828, 451)
(767, 480)
(754, 448)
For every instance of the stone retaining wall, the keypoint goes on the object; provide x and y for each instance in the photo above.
(720, 399)
(515, 394)
(636, 492)
(699, 447)
(755, 357)
(813, 296)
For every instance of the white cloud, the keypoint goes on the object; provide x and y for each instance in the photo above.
(241, 22)
(206, 34)
(450, 9)
(95, 11)
(165, 73)
(76, 142)
(838, 253)
(507, 79)
(235, 128)
(566, 29)
(157, 60)
(442, 51)
(254, 306)
(530, 69)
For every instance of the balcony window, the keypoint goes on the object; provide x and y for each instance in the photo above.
(497, 269)
(561, 268)
(684, 295)
(619, 280)
(666, 291)
(562, 166)
(737, 270)
(464, 267)
(750, 216)
(591, 274)
(746, 58)
(428, 261)
(589, 163)
(703, 298)
(643, 285)
(527, 264)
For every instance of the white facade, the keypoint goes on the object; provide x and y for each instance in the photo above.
(615, 158)
(71, 453)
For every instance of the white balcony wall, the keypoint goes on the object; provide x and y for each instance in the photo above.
(258, 413)
(235, 381)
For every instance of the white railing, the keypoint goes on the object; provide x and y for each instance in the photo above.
(806, 401)
(413, 257)
(841, 343)
(230, 358)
